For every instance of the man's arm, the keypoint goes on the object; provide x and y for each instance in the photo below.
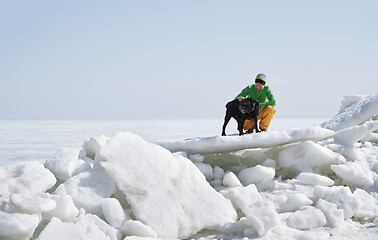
(244, 93)
(271, 100)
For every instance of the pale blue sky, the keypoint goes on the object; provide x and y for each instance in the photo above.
(182, 59)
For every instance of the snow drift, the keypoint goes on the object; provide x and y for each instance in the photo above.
(159, 194)
(301, 183)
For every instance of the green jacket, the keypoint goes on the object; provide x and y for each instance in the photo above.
(264, 96)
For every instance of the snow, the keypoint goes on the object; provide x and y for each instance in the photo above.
(65, 209)
(35, 203)
(66, 163)
(113, 212)
(157, 193)
(256, 174)
(304, 183)
(91, 145)
(88, 189)
(29, 177)
(196, 157)
(295, 202)
(87, 227)
(344, 199)
(354, 174)
(314, 179)
(231, 180)
(307, 218)
(17, 226)
(137, 228)
(308, 156)
(89, 221)
(206, 170)
(349, 100)
(362, 110)
(334, 216)
(218, 173)
(56, 229)
(368, 209)
(349, 136)
(260, 214)
(233, 143)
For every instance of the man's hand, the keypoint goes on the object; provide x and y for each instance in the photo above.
(240, 98)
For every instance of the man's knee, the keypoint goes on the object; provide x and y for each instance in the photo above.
(267, 111)
(248, 124)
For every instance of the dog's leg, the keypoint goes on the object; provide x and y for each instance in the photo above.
(226, 120)
(255, 125)
(241, 125)
(251, 130)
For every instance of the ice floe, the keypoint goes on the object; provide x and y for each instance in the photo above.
(309, 183)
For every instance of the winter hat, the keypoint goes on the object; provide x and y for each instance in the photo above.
(260, 78)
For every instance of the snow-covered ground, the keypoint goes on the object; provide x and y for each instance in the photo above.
(316, 182)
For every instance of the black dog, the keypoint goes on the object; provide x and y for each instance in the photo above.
(248, 108)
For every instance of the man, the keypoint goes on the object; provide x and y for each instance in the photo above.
(265, 97)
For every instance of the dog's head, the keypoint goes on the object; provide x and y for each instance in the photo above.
(246, 106)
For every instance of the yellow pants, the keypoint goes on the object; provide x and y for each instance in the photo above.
(265, 117)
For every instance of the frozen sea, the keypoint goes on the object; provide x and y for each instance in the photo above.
(304, 179)
(38, 140)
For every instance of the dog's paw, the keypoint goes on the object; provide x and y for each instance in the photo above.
(250, 131)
